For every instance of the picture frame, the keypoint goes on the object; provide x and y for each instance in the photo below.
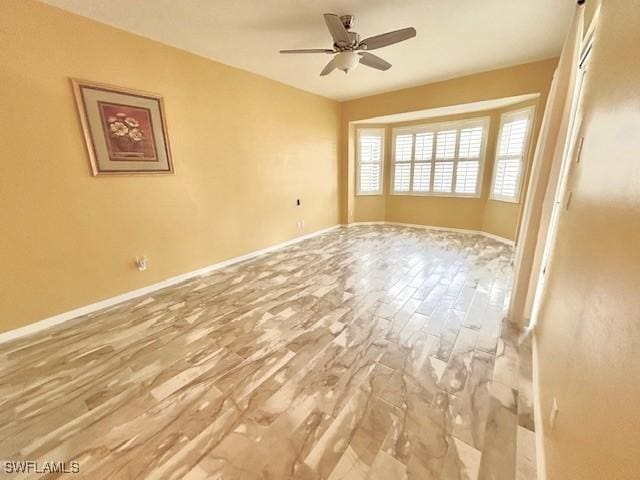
(125, 130)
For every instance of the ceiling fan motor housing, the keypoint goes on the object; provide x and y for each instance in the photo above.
(354, 41)
(341, 46)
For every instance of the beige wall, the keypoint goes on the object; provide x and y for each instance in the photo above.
(482, 213)
(474, 214)
(244, 149)
(502, 218)
(588, 335)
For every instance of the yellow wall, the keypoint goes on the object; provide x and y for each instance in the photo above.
(492, 216)
(474, 214)
(244, 149)
(503, 218)
(588, 335)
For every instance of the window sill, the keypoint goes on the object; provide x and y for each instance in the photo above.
(367, 194)
(513, 201)
(439, 195)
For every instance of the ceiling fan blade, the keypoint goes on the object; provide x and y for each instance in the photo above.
(330, 67)
(308, 50)
(389, 38)
(336, 29)
(373, 61)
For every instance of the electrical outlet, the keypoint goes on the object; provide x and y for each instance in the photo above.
(300, 224)
(142, 263)
(554, 413)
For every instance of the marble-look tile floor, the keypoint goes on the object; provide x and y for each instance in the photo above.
(369, 352)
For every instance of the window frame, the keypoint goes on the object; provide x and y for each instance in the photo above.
(528, 111)
(435, 127)
(380, 131)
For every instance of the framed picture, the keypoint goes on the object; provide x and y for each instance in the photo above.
(125, 130)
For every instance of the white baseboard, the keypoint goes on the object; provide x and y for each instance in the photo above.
(537, 410)
(506, 241)
(109, 302)
(365, 223)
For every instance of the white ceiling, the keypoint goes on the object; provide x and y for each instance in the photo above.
(455, 37)
(473, 107)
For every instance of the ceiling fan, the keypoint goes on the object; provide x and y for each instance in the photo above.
(350, 49)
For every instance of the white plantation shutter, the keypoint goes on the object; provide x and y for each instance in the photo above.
(512, 146)
(402, 177)
(369, 178)
(442, 177)
(421, 177)
(446, 145)
(468, 168)
(422, 162)
(470, 142)
(370, 154)
(439, 159)
(404, 145)
(402, 169)
(445, 154)
(507, 175)
(512, 137)
(424, 147)
(467, 176)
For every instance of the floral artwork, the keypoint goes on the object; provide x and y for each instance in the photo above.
(125, 130)
(128, 132)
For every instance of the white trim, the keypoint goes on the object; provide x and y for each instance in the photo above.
(438, 194)
(588, 37)
(537, 411)
(365, 223)
(498, 238)
(506, 241)
(94, 307)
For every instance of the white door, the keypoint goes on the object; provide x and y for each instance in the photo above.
(562, 198)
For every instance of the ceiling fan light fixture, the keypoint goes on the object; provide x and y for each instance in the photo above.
(346, 61)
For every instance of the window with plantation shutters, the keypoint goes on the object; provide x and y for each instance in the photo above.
(439, 159)
(370, 154)
(510, 155)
